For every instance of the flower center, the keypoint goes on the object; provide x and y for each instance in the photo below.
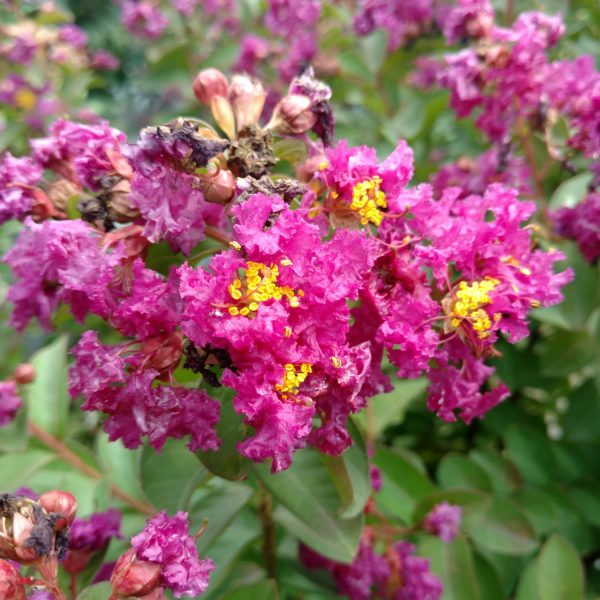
(259, 284)
(294, 375)
(368, 199)
(469, 303)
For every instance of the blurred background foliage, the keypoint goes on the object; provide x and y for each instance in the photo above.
(528, 476)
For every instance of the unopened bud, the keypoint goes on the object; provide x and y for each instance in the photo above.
(306, 170)
(162, 351)
(293, 115)
(22, 527)
(24, 373)
(208, 84)
(60, 192)
(11, 587)
(133, 577)
(61, 503)
(218, 186)
(247, 98)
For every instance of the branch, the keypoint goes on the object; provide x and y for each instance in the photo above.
(69, 456)
(265, 513)
(216, 234)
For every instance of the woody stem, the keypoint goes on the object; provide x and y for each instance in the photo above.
(64, 452)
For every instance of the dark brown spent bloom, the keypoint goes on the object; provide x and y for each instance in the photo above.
(199, 360)
(288, 189)
(252, 154)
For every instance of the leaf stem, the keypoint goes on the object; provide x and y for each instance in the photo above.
(265, 514)
(69, 456)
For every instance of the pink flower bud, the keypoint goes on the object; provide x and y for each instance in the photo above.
(218, 186)
(247, 98)
(133, 577)
(62, 503)
(293, 115)
(22, 527)
(208, 84)
(11, 587)
(24, 373)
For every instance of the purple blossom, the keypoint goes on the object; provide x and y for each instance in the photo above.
(418, 582)
(27, 492)
(73, 35)
(166, 541)
(582, 224)
(253, 50)
(297, 332)
(286, 18)
(41, 595)
(401, 20)
(443, 521)
(143, 19)
(104, 61)
(17, 177)
(467, 18)
(9, 402)
(94, 533)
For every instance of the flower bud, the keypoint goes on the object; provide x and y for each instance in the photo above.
(11, 587)
(306, 170)
(162, 351)
(24, 373)
(208, 84)
(247, 98)
(293, 115)
(22, 529)
(218, 186)
(133, 577)
(61, 503)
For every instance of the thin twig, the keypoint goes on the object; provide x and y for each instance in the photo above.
(216, 234)
(69, 456)
(265, 513)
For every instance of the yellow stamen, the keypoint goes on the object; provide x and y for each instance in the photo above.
(368, 199)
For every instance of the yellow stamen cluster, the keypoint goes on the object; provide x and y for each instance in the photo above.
(294, 375)
(368, 199)
(259, 285)
(25, 99)
(469, 303)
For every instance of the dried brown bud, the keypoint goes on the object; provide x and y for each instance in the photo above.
(218, 186)
(293, 115)
(61, 503)
(119, 205)
(208, 84)
(24, 373)
(247, 98)
(133, 577)
(11, 587)
(60, 192)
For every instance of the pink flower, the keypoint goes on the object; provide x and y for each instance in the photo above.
(143, 19)
(582, 224)
(9, 402)
(17, 176)
(59, 261)
(166, 541)
(278, 308)
(443, 521)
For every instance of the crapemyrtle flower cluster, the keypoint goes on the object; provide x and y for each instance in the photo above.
(162, 556)
(397, 573)
(443, 521)
(582, 224)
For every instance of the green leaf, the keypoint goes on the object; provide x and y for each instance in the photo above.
(501, 526)
(531, 451)
(226, 462)
(389, 409)
(374, 49)
(488, 580)
(292, 150)
(453, 562)
(47, 394)
(456, 471)
(99, 591)
(265, 590)
(527, 589)
(403, 483)
(502, 473)
(351, 475)
(169, 477)
(220, 507)
(312, 504)
(559, 573)
(564, 352)
(16, 469)
(572, 191)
